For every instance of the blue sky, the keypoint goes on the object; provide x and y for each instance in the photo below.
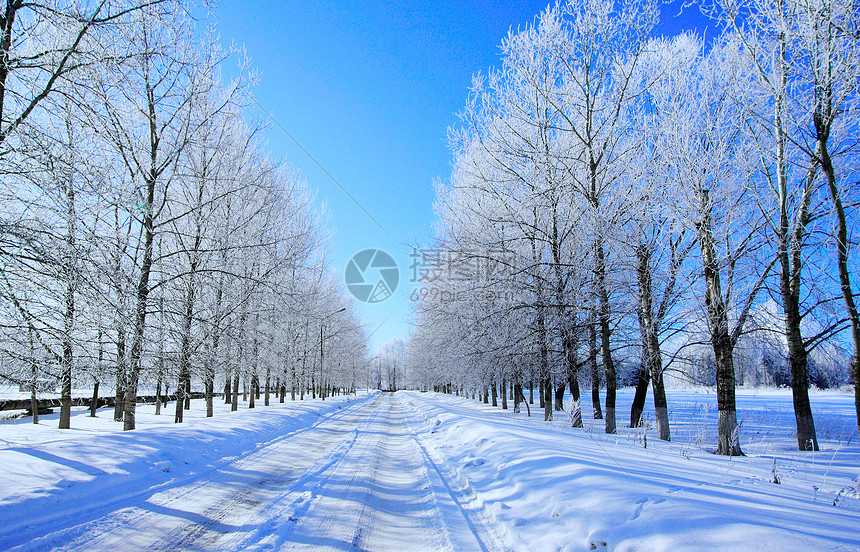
(369, 89)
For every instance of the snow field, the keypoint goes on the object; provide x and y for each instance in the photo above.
(550, 487)
(54, 478)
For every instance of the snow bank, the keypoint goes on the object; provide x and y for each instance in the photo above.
(555, 488)
(48, 473)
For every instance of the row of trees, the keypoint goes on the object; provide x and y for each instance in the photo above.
(146, 238)
(389, 369)
(621, 199)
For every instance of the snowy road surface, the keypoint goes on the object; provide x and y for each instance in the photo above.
(357, 479)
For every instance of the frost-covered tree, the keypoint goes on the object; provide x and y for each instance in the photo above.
(707, 156)
(804, 57)
(600, 46)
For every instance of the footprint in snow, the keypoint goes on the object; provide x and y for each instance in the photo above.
(640, 504)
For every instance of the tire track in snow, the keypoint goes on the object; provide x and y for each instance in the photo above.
(246, 504)
(395, 454)
(377, 495)
(322, 480)
(453, 499)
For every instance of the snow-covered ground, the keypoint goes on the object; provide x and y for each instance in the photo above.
(345, 473)
(552, 487)
(423, 471)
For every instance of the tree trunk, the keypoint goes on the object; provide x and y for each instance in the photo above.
(495, 392)
(68, 361)
(211, 355)
(541, 393)
(576, 407)
(728, 442)
(301, 381)
(532, 390)
(158, 395)
(209, 391)
(518, 392)
(234, 406)
(566, 323)
(797, 353)
(523, 400)
(228, 399)
(649, 324)
(559, 397)
(266, 399)
(69, 263)
(661, 410)
(94, 404)
(504, 389)
(789, 245)
(572, 369)
(142, 297)
(185, 344)
(605, 333)
(842, 262)
(645, 315)
(595, 374)
(642, 380)
(179, 411)
(120, 376)
(34, 403)
(546, 393)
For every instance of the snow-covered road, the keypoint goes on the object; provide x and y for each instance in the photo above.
(417, 471)
(357, 479)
